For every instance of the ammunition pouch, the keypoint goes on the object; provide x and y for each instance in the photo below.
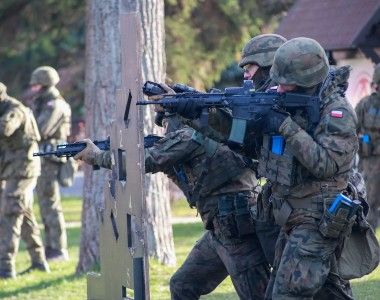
(233, 217)
(337, 225)
(279, 168)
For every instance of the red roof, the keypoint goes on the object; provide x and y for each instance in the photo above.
(336, 24)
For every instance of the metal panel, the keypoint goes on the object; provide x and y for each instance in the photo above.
(124, 264)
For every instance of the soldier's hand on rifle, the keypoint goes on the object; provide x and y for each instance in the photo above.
(274, 119)
(89, 153)
(169, 91)
(189, 109)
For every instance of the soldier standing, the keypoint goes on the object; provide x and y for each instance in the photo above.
(19, 171)
(368, 111)
(53, 115)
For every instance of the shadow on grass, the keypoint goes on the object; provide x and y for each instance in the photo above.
(43, 284)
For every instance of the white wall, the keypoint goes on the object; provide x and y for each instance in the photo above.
(359, 83)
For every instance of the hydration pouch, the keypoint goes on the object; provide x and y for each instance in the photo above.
(226, 219)
(244, 222)
(338, 219)
(365, 146)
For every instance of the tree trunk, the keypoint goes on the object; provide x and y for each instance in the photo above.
(102, 79)
(159, 231)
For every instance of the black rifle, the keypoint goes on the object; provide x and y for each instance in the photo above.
(69, 150)
(151, 88)
(246, 105)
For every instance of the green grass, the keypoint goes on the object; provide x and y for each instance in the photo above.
(63, 284)
(180, 208)
(72, 208)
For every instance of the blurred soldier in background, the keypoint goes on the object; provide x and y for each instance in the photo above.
(19, 170)
(53, 115)
(368, 111)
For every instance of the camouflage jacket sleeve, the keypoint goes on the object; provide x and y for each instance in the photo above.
(103, 159)
(11, 121)
(176, 147)
(331, 149)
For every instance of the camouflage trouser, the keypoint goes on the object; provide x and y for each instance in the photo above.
(211, 261)
(267, 233)
(49, 200)
(371, 172)
(305, 267)
(17, 219)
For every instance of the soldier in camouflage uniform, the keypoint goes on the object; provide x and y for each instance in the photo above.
(19, 171)
(312, 170)
(53, 116)
(257, 59)
(219, 183)
(368, 111)
(185, 153)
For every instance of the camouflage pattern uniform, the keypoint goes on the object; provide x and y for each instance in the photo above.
(305, 179)
(313, 169)
(18, 171)
(368, 111)
(53, 116)
(219, 183)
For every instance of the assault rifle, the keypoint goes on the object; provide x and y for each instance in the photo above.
(69, 150)
(246, 105)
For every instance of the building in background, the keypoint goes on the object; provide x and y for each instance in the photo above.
(349, 30)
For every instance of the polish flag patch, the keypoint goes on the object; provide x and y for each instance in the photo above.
(336, 114)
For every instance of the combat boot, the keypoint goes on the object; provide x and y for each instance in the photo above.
(40, 266)
(56, 255)
(7, 274)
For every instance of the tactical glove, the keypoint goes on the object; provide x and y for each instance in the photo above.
(89, 153)
(274, 120)
(189, 109)
(168, 89)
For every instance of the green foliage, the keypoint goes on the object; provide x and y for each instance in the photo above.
(203, 37)
(34, 33)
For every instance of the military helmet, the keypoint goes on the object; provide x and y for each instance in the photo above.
(45, 76)
(376, 75)
(260, 50)
(300, 61)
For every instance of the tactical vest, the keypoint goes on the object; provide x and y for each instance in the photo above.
(61, 127)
